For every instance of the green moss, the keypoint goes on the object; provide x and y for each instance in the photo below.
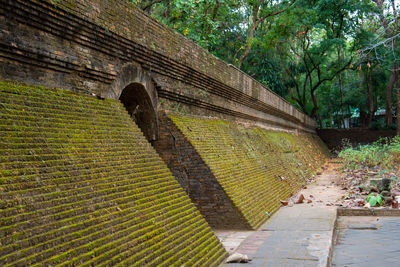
(255, 167)
(80, 184)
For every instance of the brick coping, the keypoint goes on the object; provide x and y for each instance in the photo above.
(368, 212)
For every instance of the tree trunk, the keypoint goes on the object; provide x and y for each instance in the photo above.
(396, 69)
(363, 119)
(362, 113)
(397, 91)
(146, 6)
(213, 16)
(341, 89)
(250, 37)
(386, 25)
(370, 99)
(398, 109)
(315, 103)
(388, 99)
(167, 9)
(341, 99)
(320, 121)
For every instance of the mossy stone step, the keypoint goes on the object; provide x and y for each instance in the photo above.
(99, 161)
(76, 156)
(84, 174)
(54, 95)
(27, 119)
(76, 169)
(138, 259)
(170, 226)
(63, 143)
(89, 191)
(35, 137)
(50, 114)
(70, 136)
(139, 230)
(82, 221)
(58, 151)
(99, 230)
(32, 102)
(162, 249)
(16, 106)
(66, 130)
(11, 124)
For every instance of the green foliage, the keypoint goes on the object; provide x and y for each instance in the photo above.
(384, 153)
(319, 54)
(267, 70)
(375, 199)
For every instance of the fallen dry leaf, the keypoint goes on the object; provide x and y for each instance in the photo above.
(284, 203)
(300, 199)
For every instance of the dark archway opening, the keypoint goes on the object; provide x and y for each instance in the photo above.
(138, 104)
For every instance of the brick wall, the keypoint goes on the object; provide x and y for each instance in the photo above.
(236, 175)
(196, 178)
(334, 137)
(80, 184)
(84, 45)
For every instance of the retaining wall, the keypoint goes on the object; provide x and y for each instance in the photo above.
(335, 139)
(80, 184)
(237, 176)
(87, 45)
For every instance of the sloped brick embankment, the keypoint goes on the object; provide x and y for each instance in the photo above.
(79, 184)
(240, 174)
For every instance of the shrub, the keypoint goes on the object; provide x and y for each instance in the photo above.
(384, 153)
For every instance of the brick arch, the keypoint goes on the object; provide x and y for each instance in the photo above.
(135, 88)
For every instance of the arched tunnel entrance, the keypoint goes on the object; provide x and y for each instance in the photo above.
(139, 105)
(137, 91)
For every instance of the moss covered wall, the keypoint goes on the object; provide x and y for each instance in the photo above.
(255, 168)
(85, 45)
(196, 178)
(80, 185)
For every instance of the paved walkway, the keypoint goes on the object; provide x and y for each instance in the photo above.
(300, 235)
(367, 242)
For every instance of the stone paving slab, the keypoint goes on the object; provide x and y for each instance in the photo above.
(295, 236)
(361, 247)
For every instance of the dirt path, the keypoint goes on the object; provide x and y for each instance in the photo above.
(324, 190)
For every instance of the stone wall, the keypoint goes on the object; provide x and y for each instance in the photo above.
(336, 138)
(85, 45)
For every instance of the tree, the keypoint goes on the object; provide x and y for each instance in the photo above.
(316, 32)
(305, 50)
(260, 11)
(389, 31)
(384, 50)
